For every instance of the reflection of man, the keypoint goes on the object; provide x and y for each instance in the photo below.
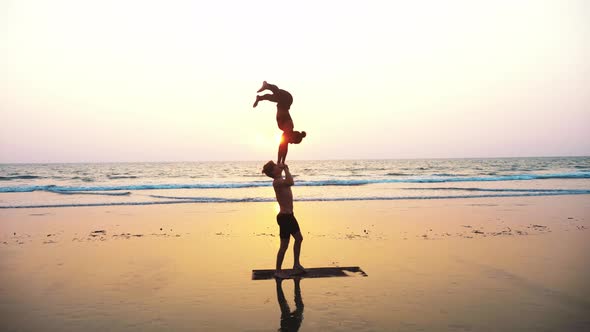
(290, 321)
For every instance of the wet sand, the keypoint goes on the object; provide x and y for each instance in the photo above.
(433, 265)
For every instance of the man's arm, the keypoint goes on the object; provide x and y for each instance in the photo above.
(287, 181)
(288, 177)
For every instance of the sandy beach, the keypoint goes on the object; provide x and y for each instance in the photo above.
(487, 264)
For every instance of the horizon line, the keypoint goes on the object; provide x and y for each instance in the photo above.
(262, 160)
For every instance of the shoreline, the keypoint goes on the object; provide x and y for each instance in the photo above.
(548, 193)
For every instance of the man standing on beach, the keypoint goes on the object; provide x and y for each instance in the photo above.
(287, 223)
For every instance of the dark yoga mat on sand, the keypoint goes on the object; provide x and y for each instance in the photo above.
(314, 272)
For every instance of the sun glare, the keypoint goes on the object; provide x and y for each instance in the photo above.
(264, 142)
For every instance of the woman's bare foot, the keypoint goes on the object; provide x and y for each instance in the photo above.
(264, 87)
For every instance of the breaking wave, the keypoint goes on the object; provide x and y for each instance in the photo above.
(180, 199)
(310, 183)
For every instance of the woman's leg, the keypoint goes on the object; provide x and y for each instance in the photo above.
(274, 98)
(281, 97)
(267, 86)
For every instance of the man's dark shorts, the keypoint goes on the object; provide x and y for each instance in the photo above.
(288, 225)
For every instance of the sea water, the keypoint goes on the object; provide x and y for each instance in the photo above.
(97, 184)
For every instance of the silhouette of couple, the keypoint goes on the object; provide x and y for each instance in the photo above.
(288, 225)
(286, 220)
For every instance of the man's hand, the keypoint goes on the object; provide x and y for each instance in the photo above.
(288, 176)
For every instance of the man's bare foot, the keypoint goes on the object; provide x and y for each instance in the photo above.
(264, 87)
(299, 268)
(281, 274)
(256, 102)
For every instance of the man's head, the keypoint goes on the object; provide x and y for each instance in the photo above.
(271, 169)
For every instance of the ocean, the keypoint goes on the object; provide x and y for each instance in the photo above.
(103, 184)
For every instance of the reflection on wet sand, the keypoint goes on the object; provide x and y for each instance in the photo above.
(290, 321)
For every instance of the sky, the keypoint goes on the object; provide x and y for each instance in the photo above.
(110, 81)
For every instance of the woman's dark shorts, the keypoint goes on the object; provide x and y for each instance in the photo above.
(288, 225)
(285, 99)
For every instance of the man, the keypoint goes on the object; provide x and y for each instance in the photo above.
(287, 223)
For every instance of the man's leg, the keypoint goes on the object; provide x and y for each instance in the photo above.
(297, 251)
(281, 256)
